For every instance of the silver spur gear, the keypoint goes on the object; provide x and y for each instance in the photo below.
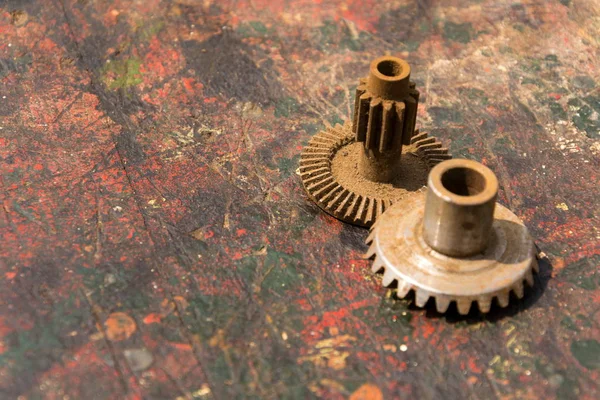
(452, 242)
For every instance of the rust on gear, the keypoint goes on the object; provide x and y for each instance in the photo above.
(356, 171)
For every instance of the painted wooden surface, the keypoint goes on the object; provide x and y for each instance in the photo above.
(155, 238)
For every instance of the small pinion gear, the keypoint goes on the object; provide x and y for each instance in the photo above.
(454, 243)
(356, 171)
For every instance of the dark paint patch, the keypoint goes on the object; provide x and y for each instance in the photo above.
(226, 67)
(462, 33)
(587, 352)
(408, 25)
(442, 115)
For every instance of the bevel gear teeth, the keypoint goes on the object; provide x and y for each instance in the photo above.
(351, 204)
(506, 265)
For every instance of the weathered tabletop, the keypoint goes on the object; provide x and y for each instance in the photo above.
(156, 241)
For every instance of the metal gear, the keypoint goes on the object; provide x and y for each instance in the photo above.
(453, 242)
(356, 171)
(331, 155)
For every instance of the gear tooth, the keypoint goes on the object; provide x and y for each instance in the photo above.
(410, 116)
(362, 117)
(418, 136)
(370, 252)
(503, 298)
(529, 278)
(360, 90)
(388, 278)
(421, 141)
(333, 191)
(377, 265)
(519, 289)
(380, 208)
(387, 125)
(344, 203)
(399, 124)
(484, 303)
(463, 306)
(371, 237)
(403, 288)
(316, 177)
(374, 124)
(337, 198)
(442, 303)
(352, 206)
(414, 93)
(421, 297)
(371, 207)
(361, 208)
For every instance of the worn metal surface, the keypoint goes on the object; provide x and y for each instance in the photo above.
(450, 248)
(157, 243)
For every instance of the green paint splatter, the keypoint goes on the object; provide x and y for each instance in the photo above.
(476, 95)
(557, 110)
(442, 115)
(259, 27)
(311, 128)
(285, 107)
(568, 323)
(461, 33)
(332, 33)
(148, 31)
(287, 166)
(584, 122)
(281, 272)
(587, 352)
(122, 74)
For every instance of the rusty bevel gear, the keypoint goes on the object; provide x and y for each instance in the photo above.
(349, 204)
(356, 171)
(454, 243)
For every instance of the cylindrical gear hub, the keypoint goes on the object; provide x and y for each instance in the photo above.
(385, 113)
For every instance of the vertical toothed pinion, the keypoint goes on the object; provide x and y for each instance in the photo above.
(385, 112)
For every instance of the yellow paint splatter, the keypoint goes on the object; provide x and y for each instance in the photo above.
(119, 326)
(330, 352)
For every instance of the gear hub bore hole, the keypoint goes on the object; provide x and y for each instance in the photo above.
(463, 181)
(389, 68)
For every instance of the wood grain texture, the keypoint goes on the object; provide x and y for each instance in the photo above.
(155, 240)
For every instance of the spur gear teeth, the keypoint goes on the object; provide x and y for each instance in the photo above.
(377, 265)
(388, 278)
(361, 121)
(403, 288)
(529, 277)
(442, 303)
(370, 237)
(421, 297)
(503, 298)
(485, 304)
(463, 305)
(370, 252)
(519, 289)
(383, 124)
